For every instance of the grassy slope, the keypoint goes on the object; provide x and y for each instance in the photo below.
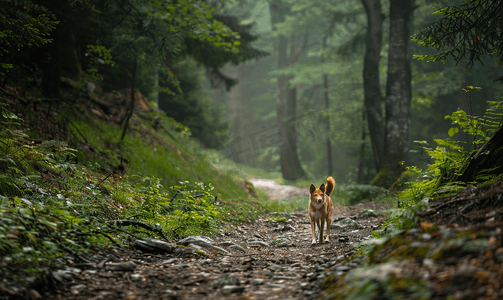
(52, 207)
(154, 153)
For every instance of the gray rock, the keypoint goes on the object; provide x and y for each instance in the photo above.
(343, 239)
(284, 278)
(169, 261)
(237, 248)
(255, 240)
(196, 239)
(258, 236)
(368, 213)
(154, 245)
(122, 266)
(281, 242)
(78, 288)
(232, 289)
(225, 244)
(425, 236)
(62, 275)
(347, 222)
(274, 268)
(287, 227)
(226, 280)
(202, 241)
(278, 285)
(196, 247)
(136, 277)
(257, 281)
(258, 244)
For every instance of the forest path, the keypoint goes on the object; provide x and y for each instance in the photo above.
(270, 258)
(277, 191)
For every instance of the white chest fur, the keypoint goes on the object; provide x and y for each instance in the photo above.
(316, 214)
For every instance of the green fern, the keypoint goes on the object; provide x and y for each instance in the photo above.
(450, 156)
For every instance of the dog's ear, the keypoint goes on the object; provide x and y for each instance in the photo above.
(312, 188)
(322, 187)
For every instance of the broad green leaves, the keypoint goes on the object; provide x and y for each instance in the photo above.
(480, 128)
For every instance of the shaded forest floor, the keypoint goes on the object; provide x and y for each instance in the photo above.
(453, 252)
(457, 257)
(271, 258)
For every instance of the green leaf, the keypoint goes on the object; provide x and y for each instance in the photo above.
(452, 131)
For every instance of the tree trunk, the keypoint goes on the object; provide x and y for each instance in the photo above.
(398, 87)
(361, 165)
(286, 100)
(51, 74)
(488, 159)
(371, 83)
(329, 146)
(327, 101)
(129, 112)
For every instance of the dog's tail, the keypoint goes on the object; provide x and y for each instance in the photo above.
(330, 185)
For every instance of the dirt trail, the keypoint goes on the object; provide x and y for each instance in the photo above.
(264, 260)
(276, 191)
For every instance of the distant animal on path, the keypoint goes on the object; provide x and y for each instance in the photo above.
(321, 208)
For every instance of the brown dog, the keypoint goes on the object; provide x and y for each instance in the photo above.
(321, 208)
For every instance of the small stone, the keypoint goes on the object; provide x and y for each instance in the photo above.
(34, 295)
(62, 275)
(154, 245)
(368, 213)
(347, 222)
(258, 236)
(226, 280)
(277, 285)
(284, 278)
(232, 289)
(258, 281)
(136, 277)
(202, 241)
(237, 248)
(274, 268)
(258, 244)
(169, 261)
(225, 244)
(425, 236)
(78, 288)
(122, 266)
(343, 239)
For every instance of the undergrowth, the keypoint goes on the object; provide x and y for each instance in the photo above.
(449, 159)
(52, 207)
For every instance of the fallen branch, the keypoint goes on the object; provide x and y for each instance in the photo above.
(123, 231)
(101, 181)
(78, 131)
(142, 225)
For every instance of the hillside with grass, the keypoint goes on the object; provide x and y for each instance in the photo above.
(69, 184)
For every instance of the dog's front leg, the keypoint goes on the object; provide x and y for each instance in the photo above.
(313, 231)
(322, 221)
(329, 221)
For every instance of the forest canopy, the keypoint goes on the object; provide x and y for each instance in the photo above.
(127, 45)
